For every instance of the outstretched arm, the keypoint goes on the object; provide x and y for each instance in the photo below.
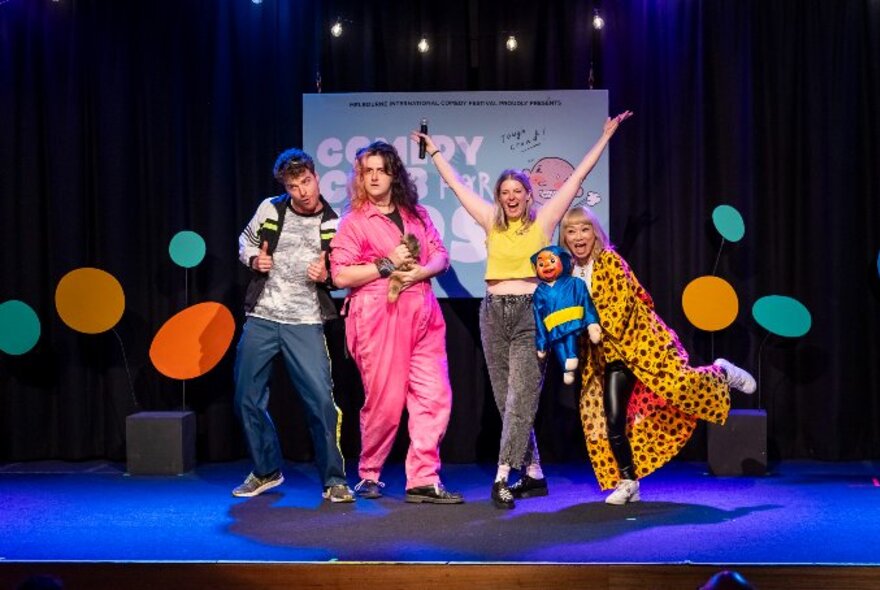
(476, 207)
(551, 213)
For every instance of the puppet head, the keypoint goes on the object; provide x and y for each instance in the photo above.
(551, 262)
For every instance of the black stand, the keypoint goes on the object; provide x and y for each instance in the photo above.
(160, 443)
(740, 446)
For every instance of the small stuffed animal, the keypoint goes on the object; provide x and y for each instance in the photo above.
(394, 282)
(563, 308)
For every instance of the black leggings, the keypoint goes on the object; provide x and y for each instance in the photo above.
(619, 383)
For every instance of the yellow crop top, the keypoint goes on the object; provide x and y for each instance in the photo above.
(508, 252)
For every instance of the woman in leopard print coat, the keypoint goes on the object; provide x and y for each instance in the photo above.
(640, 399)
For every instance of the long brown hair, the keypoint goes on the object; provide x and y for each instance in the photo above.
(403, 190)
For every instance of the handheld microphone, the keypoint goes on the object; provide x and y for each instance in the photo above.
(422, 145)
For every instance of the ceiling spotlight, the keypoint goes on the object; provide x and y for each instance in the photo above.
(336, 29)
(423, 45)
(257, 1)
(598, 21)
(511, 43)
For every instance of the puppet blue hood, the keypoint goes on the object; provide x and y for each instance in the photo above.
(558, 251)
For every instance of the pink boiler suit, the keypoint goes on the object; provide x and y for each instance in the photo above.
(399, 348)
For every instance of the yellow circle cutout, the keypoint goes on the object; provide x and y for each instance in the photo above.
(89, 300)
(710, 303)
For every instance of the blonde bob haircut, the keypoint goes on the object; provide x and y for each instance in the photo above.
(577, 215)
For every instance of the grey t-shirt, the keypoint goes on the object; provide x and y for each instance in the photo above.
(289, 297)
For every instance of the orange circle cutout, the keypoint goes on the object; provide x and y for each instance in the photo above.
(89, 300)
(193, 341)
(710, 303)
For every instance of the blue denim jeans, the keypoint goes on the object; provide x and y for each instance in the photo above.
(507, 330)
(304, 350)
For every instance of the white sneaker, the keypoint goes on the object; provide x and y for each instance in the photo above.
(737, 378)
(627, 491)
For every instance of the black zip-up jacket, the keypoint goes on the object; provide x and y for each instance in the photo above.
(264, 227)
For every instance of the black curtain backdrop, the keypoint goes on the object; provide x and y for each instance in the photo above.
(122, 123)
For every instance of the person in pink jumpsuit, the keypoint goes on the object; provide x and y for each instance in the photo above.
(399, 347)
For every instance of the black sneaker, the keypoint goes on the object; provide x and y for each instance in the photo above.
(501, 495)
(433, 494)
(529, 487)
(254, 485)
(369, 489)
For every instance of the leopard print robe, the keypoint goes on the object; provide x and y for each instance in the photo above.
(669, 396)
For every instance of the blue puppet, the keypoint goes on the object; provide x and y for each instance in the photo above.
(563, 308)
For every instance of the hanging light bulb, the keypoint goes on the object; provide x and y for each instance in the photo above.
(511, 43)
(423, 45)
(336, 29)
(598, 21)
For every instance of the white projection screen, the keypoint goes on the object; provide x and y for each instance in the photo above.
(545, 133)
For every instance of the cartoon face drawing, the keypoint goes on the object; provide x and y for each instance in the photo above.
(547, 176)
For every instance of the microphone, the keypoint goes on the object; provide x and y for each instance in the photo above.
(423, 128)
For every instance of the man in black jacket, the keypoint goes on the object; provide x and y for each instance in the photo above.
(286, 246)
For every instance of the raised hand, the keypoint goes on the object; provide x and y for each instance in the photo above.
(417, 136)
(611, 124)
(317, 270)
(263, 261)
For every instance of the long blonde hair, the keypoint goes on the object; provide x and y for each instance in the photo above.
(584, 215)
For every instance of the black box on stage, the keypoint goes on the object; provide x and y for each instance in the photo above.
(160, 443)
(740, 446)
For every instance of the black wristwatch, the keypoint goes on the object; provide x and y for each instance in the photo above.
(385, 266)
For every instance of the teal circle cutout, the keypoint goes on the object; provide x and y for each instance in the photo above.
(19, 327)
(187, 249)
(783, 316)
(729, 223)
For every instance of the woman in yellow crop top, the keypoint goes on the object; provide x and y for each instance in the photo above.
(515, 231)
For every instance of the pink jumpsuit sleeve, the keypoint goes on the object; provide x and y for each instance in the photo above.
(346, 248)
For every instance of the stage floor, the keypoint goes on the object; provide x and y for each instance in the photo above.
(801, 513)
